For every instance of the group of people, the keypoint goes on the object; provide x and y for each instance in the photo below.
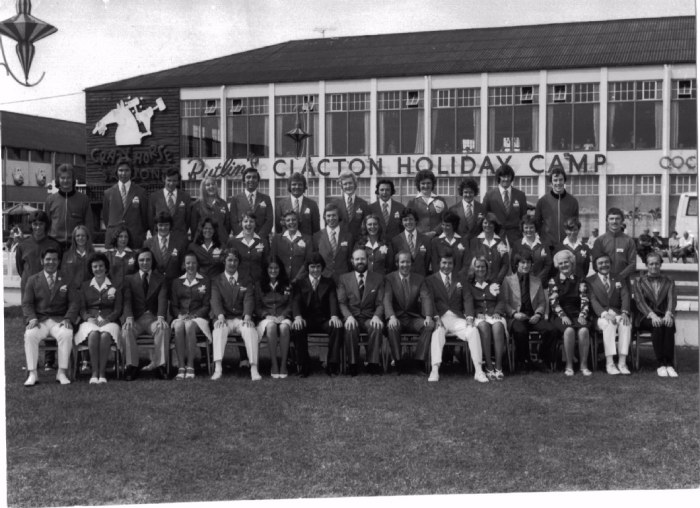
(479, 271)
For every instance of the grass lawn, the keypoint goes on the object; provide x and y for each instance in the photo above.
(153, 441)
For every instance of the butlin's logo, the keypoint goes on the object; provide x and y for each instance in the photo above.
(132, 118)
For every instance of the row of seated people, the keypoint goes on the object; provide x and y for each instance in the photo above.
(475, 309)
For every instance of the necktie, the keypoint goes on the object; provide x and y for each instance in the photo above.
(448, 282)
(606, 283)
(314, 282)
(144, 283)
(349, 206)
(51, 282)
(171, 204)
(361, 284)
(251, 200)
(163, 245)
(122, 191)
(385, 212)
(506, 200)
(406, 291)
(469, 214)
(334, 243)
(296, 206)
(232, 280)
(411, 245)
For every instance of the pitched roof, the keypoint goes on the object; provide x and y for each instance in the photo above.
(647, 41)
(41, 133)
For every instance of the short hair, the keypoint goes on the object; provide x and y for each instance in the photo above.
(51, 250)
(425, 174)
(447, 254)
(202, 193)
(644, 237)
(249, 169)
(451, 218)
(600, 255)
(199, 236)
(615, 211)
(504, 170)
(572, 223)
(403, 253)
(557, 171)
(229, 251)
(125, 161)
(385, 181)
(358, 249)
(315, 258)
(331, 207)
(522, 255)
(170, 172)
(491, 217)
(468, 183)
(144, 250)
(191, 253)
(39, 215)
(66, 168)
(347, 174)
(115, 237)
(162, 217)
(564, 254)
(288, 212)
(654, 254)
(98, 256)
(250, 214)
(527, 220)
(409, 211)
(296, 177)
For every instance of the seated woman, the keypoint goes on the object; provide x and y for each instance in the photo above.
(448, 241)
(100, 309)
(274, 306)
(122, 260)
(489, 308)
(568, 299)
(581, 251)
(254, 250)
(378, 250)
(74, 266)
(207, 247)
(190, 297)
(655, 296)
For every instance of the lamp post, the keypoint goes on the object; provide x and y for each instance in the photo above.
(25, 29)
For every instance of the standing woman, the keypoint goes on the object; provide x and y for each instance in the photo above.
(492, 247)
(207, 247)
(291, 248)
(568, 299)
(379, 253)
(428, 205)
(212, 206)
(581, 251)
(122, 260)
(274, 307)
(190, 298)
(254, 250)
(74, 266)
(448, 241)
(541, 253)
(655, 296)
(100, 309)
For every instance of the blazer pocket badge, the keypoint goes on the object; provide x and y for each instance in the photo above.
(263, 204)
(63, 288)
(516, 204)
(174, 253)
(130, 262)
(301, 243)
(202, 289)
(307, 211)
(397, 215)
(343, 244)
(618, 285)
(136, 201)
(181, 205)
(422, 248)
(383, 249)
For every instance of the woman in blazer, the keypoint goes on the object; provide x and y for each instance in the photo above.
(428, 205)
(492, 247)
(380, 258)
(212, 206)
(448, 241)
(254, 251)
(580, 250)
(291, 248)
(274, 307)
(122, 260)
(207, 247)
(74, 266)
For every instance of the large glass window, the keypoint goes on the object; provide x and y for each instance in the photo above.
(200, 132)
(573, 116)
(639, 197)
(247, 127)
(684, 119)
(456, 120)
(312, 188)
(400, 116)
(347, 124)
(513, 118)
(289, 110)
(334, 190)
(635, 115)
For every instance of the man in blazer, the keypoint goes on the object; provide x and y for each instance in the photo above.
(176, 202)
(351, 208)
(414, 242)
(334, 243)
(526, 307)
(454, 315)
(315, 310)
(408, 306)
(254, 200)
(145, 310)
(610, 300)
(469, 210)
(232, 306)
(50, 305)
(388, 210)
(361, 301)
(507, 203)
(125, 204)
(168, 248)
(306, 209)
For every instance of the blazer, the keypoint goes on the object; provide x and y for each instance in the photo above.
(496, 254)
(541, 259)
(194, 300)
(309, 217)
(488, 300)
(429, 216)
(419, 303)
(340, 263)
(107, 303)
(262, 208)
(218, 211)
(439, 246)
(510, 289)
(648, 302)
(352, 221)
(209, 262)
(421, 259)
(302, 293)
(28, 257)
(469, 230)
(380, 259)
(617, 298)
(459, 299)
(157, 203)
(136, 304)
(395, 226)
(134, 217)
(253, 257)
(75, 268)
(234, 302)
(568, 296)
(362, 308)
(38, 302)
(291, 255)
(493, 202)
(273, 302)
(170, 263)
(120, 267)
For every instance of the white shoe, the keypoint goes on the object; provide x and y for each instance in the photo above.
(216, 375)
(481, 377)
(94, 381)
(612, 369)
(662, 372)
(61, 378)
(586, 372)
(31, 380)
(254, 374)
(282, 376)
(623, 369)
(434, 375)
(671, 372)
(499, 375)
(275, 376)
(102, 380)
(149, 367)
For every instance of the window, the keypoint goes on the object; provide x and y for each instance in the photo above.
(400, 116)
(456, 120)
(347, 124)
(311, 188)
(235, 186)
(192, 187)
(513, 118)
(289, 110)
(16, 154)
(683, 183)
(334, 190)
(620, 185)
(684, 121)
(627, 185)
(649, 185)
(573, 114)
(635, 115)
(247, 127)
(200, 133)
(583, 185)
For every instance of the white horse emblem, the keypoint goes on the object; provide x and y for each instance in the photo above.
(133, 121)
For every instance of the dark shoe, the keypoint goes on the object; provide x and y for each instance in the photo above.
(161, 372)
(375, 369)
(48, 365)
(131, 372)
(354, 369)
(332, 369)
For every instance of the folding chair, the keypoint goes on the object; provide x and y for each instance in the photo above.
(83, 347)
(640, 337)
(51, 344)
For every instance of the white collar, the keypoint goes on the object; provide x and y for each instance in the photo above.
(297, 234)
(228, 277)
(106, 284)
(141, 273)
(122, 253)
(525, 242)
(444, 276)
(603, 278)
(311, 279)
(414, 233)
(432, 195)
(187, 283)
(160, 239)
(241, 235)
(481, 285)
(572, 245)
(482, 235)
(335, 229)
(455, 237)
(127, 185)
(372, 246)
(387, 203)
(503, 190)
(55, 275)
(166, 192)
(357, 275)
(248, 194)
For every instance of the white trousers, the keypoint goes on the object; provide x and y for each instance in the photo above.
(248, 333)
(609, 329)
(48, 328)
(457, 326)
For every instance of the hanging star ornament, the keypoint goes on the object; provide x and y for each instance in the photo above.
(25, 29)
(298, 135)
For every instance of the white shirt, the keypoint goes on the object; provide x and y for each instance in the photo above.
(126, 185)
(186, 282)
(166, 193)
(572, 245)
(105, 284)
(455, 237)
(229, 275)
(247, 242)
(249, 194)
(486, 242)
(336, 230)
(297, 234)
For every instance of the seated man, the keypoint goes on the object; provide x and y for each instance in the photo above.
(360, 296)
(454, 314)
(526, 304)
(232, 303)
(145, 310)
(315, 310)
(686, 247)
(50, 306)
(610, 300)
(409, 306)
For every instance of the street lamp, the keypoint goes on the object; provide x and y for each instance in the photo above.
(26, 30)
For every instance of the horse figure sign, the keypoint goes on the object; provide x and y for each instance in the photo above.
(133, 121)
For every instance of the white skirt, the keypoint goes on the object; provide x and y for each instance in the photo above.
(86, 328)
(201, 323)
(491, 320)
(262, 325)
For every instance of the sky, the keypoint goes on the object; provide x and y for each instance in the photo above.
(100, 41)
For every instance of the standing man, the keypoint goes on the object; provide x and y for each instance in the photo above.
(554, 209)
(352, 208)
(361, 300)
(470, 212)
(334, 243)
(28, 252)
(251, 200)
(306, 209)
(68, 208)
(507, 203)
(620, 248)
(50, 306)
(173, 200)
(125, 204)
(409, 307)
(412, 241)
(168, 248)
(388, 210)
